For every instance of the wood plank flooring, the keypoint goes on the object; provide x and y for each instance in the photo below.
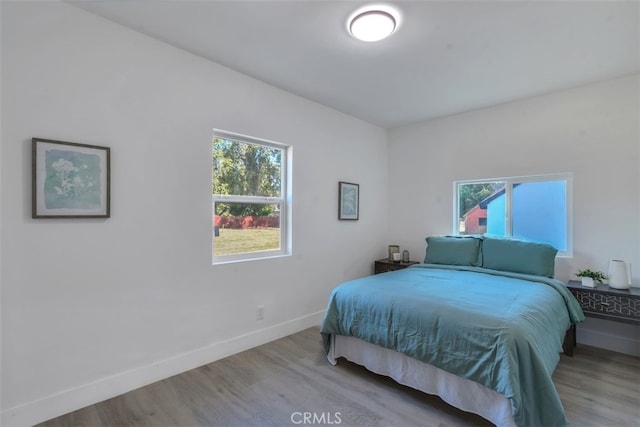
(270, 384)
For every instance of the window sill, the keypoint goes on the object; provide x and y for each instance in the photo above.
(246, 258)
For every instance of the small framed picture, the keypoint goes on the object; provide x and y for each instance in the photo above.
(70, 180)
(348, 201)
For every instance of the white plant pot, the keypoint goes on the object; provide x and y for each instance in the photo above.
(588, 282)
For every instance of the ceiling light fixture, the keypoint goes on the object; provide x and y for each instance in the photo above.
(373, 23)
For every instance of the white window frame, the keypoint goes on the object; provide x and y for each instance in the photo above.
(285, 201)
(509, 184)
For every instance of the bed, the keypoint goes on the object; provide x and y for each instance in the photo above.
(481, 324)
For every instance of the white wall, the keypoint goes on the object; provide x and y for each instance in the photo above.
(92, 308)
(591, 131)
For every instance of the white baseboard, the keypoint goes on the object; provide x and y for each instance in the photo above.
(620, 344)
(79, 397)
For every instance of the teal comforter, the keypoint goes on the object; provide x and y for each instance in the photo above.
(503, 330)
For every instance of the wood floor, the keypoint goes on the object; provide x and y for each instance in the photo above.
(275, 384)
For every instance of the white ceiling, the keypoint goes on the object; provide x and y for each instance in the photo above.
(447, 56)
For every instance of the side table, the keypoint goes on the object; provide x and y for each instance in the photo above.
(384, 265)
(603, 302)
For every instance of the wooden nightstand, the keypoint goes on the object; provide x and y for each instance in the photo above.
(603, 302)
(384, 265)
(619, 305)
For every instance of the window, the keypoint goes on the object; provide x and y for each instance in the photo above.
(250, 197)
(535, 208)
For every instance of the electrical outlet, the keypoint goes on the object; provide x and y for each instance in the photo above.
(260, 312)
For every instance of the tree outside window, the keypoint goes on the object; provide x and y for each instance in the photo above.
(249, 197)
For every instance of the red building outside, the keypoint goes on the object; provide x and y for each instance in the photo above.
(475, 221)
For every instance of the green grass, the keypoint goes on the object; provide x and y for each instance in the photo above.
(233, 241)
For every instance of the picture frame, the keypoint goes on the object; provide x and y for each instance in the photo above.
(393, 249)
(70, 180)
(348, 201)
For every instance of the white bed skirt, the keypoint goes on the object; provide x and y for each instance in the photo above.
(462, 393)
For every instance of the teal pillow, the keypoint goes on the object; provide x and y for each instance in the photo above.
(453, 250)
(518, 256)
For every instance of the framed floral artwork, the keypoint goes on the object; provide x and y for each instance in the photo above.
(70, 180)
(349, 201)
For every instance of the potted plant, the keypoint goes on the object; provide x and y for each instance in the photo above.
(589, 277)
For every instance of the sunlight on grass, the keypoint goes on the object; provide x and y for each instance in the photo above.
(233, 241)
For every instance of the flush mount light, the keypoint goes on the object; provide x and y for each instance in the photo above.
(373, 23)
